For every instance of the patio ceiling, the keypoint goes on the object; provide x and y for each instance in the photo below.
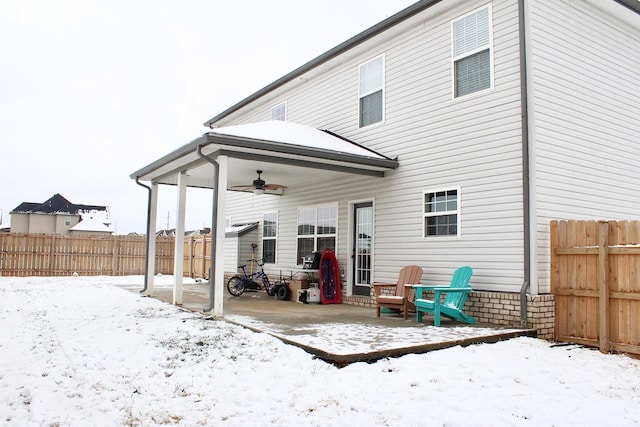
(288, 154)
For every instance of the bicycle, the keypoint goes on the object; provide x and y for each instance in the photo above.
(237, 284)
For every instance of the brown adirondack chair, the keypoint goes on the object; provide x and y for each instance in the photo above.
(402, 298)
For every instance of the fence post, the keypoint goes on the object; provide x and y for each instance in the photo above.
(603, 286)
(114, 255)
(51, 252)
(205, 271)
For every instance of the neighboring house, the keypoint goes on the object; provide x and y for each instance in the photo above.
(171, 232)
(5, 226)
(199, 232)
(57, 215)
(482, 121)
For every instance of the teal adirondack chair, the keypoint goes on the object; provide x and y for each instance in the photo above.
(455, 296)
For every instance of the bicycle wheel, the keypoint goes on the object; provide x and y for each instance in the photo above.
(235, 286)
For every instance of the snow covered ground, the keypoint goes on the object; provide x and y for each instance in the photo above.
(82, 352)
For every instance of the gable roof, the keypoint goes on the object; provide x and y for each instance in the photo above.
(633, 5)
(57, 204)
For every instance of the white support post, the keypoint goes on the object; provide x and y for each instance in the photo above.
(151, 239)
(178, 261)
(219, 230)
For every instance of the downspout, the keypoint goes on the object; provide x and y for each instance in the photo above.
(526, 196)
(214, 222)
(146, 251)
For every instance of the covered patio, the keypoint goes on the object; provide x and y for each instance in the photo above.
(229, 158)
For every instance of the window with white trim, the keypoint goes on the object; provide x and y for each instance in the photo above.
(471, 52)
(441, 213)
(279, 112)
(371, 91)
(269, 237)
(317, 229)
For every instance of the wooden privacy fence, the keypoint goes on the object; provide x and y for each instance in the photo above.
(197, 256)
(57, 255)
(595, 279)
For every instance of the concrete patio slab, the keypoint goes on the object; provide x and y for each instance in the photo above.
(340, 333)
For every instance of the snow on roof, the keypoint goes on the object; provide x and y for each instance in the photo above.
(296, 134)
(240, 229)
(92, 223)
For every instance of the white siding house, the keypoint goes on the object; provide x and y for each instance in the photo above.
(585, 96)
(500, 115)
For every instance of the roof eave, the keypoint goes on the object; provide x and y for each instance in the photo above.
(172, 156)
(633, 5)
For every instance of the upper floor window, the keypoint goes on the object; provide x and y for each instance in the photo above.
(279, 112)
(441, 213)
(371, 91)
(317, 228)
(269, 236)
(471, 37)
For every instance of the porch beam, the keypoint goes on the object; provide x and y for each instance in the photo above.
(308, 162)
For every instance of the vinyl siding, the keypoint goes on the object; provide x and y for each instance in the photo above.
(585, 95)
(473, 143)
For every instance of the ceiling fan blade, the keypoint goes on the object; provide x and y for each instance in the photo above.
(274, 187)
(242, 187)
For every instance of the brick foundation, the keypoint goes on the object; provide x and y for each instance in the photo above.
(502, 308)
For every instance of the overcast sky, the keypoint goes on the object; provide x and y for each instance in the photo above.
(91, 91)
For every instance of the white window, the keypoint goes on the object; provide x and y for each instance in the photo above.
(442, 213)
(279, 112)
(471, 51)
(371, 91)
(317, 228)
(269, 237)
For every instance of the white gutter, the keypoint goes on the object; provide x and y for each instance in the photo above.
(533, 199)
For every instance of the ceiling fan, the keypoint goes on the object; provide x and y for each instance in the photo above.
(259, 186)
